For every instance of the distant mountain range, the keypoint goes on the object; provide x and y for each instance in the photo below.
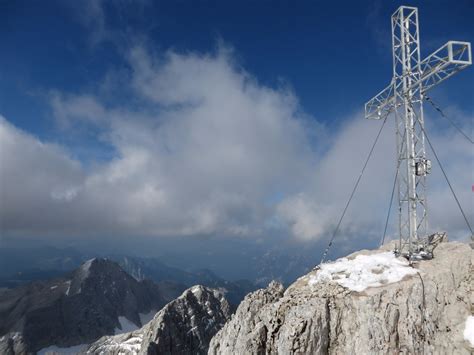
(95, 299)
(81, 306)
(59, 297)
(21, 266)
(153, 269)
(189, 266)
(350, 305)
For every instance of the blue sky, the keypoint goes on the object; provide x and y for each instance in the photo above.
(150, 106)
(337, 52)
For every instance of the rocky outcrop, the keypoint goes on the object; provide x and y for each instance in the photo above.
(369, 302)
(76, 309)
(184, 326)
(12, 344)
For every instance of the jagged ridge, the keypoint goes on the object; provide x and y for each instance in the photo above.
(184, 326)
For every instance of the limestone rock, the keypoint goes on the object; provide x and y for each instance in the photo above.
(424, 311)
(184, 326)
(13, 344)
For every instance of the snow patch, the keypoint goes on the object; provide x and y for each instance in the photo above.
(84, 269)
(68, 287)
(469, 330)
(192, 329)
(364, 271)
(146, 317)
(131, 346)
(54, 350)
(126, 325)
(197, 291)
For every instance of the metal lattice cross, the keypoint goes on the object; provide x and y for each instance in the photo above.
(404, 96)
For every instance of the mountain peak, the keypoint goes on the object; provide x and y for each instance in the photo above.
(184, 326)
(78, 308)
(97, 271)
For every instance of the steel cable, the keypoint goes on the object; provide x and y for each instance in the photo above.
(352, 193)
(382, 241)
(437, 108)
(445, 176)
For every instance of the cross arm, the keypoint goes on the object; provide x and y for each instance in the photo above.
(437, 67)
(444, 63)
(381, 104)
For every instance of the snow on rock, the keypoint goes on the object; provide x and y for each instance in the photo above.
(197, 290)
(84, 269)
(132, 345)
(126, 326)
(418, 315)
(147, 317)
(68, 283)
(122, 344)
(184, 326)
(469, 330)
(364, 271)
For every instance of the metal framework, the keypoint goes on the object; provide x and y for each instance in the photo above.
(404, 97)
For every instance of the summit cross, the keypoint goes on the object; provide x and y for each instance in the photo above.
(412, 78)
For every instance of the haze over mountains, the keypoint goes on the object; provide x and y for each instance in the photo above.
(44, 285)
(231, 260)
(99, 298)
(371, 301)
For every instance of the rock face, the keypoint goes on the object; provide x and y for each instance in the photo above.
(12, 344)
(76, 309)
(184, 326)
(400, 309)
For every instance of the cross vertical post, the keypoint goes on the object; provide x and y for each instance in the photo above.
(409, 123)
(404, 97)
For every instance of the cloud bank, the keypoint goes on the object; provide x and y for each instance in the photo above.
(201, 148)
(206, 150)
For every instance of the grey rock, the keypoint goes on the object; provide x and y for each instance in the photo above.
(13, 344)
(184, 326)
(77, 309)
(422, 313)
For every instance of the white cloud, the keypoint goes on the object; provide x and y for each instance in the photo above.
(207, 151)
(31, 173)
(204, 156)
(307, 218)
(315, 210)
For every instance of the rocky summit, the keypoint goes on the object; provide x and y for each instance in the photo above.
(184, 326)
(368, 302)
